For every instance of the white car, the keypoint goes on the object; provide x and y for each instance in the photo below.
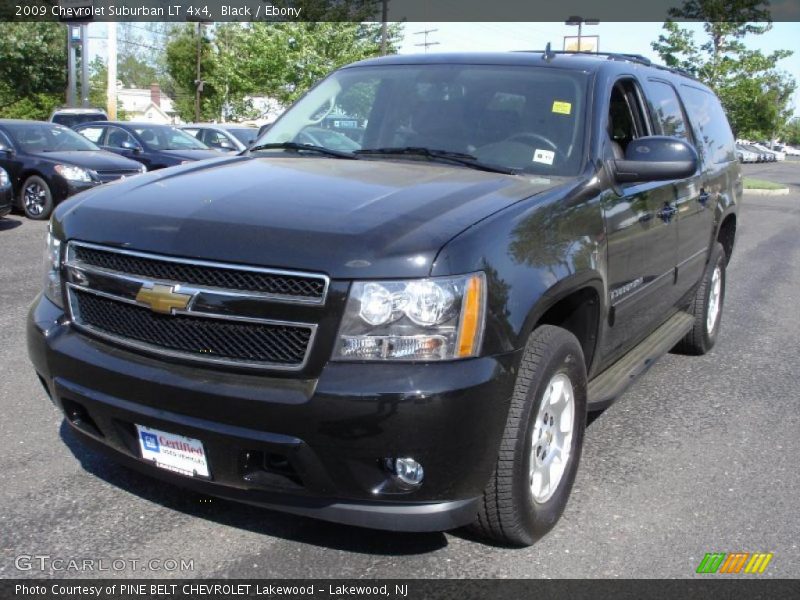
(790, 150)
(778, 155)
(746, 156)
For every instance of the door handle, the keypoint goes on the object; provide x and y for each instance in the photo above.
(703, 197)
(666, 213)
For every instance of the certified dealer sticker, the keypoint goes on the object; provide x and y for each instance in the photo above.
(173, 452)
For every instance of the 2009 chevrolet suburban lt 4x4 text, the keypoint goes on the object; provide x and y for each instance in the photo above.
(407, 336)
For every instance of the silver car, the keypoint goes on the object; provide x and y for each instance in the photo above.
(226, 137)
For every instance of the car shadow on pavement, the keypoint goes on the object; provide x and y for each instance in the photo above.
(251, 518)
(6, 223)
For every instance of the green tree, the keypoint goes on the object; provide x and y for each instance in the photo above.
(33, 59)
(755, 93)
(791, 133)
(280, 60)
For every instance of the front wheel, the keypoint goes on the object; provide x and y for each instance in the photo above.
(541, 444)
(37, 199)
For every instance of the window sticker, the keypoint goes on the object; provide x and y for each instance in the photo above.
(544, 156)
(561, 107)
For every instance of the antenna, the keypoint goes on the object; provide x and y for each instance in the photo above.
(548, 53)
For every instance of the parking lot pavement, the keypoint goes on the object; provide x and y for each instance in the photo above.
(700, 455)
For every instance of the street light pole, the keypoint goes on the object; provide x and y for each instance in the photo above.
(579, 21)
(198, 83)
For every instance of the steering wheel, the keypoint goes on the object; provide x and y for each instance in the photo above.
(536, 137)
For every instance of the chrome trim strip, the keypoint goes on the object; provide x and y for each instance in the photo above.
(692, 257)
(158, 350)
(71, 261)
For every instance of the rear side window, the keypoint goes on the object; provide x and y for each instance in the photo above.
(710, 124)
(666, 110)
(93, 134)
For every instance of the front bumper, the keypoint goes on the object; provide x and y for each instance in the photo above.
(6, 199)
(314, 447)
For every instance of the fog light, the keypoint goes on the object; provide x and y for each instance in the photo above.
(406, 470)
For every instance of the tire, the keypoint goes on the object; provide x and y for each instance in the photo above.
(711, 291)
(36, 198)
(509, 512)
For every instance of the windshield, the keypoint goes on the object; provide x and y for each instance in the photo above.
(168, 138)
(246, 135)
(518, 117)
(46, 137)
(72, 119)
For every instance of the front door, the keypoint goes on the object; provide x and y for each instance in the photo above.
(642, 234)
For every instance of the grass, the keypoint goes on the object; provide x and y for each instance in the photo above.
(760, 184)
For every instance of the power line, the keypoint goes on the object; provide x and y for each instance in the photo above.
(426, 43)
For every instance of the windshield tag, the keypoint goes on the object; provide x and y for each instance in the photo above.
(561, 107)
(544, 156)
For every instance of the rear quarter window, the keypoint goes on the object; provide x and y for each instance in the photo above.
(666, 110)
(710, 124)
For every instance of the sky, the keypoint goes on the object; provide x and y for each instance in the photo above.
(632, 38)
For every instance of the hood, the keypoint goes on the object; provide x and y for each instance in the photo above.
(96, 160)
(345, 218)
(192, 154)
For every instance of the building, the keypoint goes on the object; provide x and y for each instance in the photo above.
(147, 105)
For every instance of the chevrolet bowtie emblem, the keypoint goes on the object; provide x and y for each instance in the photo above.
(163, 298)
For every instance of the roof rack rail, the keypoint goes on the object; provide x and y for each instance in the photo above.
(549, 54)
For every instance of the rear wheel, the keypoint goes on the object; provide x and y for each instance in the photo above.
(541, 444)
(706, 307)
(36, 198)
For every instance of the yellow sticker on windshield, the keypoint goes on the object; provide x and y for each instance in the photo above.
(562, 108)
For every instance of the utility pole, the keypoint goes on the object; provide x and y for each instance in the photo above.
(384, 27)
(198, 82)
(84, 65)
(71, 62)
(426, 43)
(111, 88)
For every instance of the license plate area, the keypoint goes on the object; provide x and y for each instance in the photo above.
(172, 452)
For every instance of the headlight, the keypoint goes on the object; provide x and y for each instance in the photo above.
(52, 270)
(4, 180)
(421, 319)
(71, 173)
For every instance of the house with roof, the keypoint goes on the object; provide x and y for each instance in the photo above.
(148, 105)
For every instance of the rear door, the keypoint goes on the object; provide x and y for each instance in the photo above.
(695, 194)
(642, 235)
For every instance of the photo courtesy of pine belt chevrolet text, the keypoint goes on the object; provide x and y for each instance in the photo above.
(401, 324)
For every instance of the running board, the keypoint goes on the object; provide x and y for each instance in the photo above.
(608, 385)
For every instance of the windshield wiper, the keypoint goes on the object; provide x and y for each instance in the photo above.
(431, 153)
(303, 147)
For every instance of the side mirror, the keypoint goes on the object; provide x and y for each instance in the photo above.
(6, 150)
(133, 147)
(656, 158)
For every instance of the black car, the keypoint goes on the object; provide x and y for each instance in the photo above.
(155, 146)
(407, 336)
(47, 163)
(6, 193)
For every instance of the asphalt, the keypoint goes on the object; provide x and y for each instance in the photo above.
(700, 455)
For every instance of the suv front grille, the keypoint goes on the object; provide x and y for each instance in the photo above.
(184, 335)
(195, 310)
(311, 288)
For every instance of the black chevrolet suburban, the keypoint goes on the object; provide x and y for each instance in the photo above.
(409, 335)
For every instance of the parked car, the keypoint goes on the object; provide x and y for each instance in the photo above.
(407, 336)
(776, 155)
(762, 156)
(70, 117)
(155, 146)
(47, 163)
(746, 155)
(791, 150)
(225, 137)
(6, 193)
